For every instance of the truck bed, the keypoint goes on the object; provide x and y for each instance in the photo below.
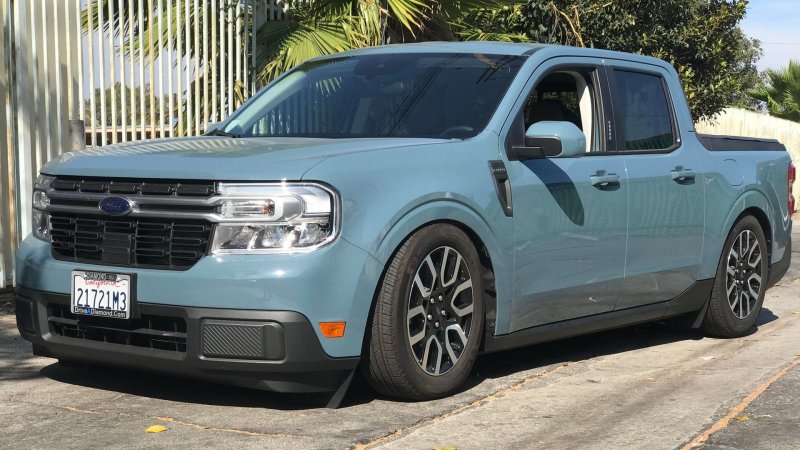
(720, 143)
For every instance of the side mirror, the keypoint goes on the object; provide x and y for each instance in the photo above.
(553, 140)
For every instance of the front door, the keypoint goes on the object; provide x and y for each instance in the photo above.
(570, 214)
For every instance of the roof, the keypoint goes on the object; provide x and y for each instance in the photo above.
(488, 47)
(498, 48)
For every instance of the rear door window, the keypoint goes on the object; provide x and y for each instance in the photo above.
(645, 111)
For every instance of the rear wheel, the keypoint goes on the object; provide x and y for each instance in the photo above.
(428, 317)
(740, 283)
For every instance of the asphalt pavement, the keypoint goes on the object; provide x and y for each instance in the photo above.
(653, 386)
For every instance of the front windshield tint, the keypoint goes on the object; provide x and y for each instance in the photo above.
(447, 96)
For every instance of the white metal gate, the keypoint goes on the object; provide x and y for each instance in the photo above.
(63, 86)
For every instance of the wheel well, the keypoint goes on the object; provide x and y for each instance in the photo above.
(762, 219)
(489, 297)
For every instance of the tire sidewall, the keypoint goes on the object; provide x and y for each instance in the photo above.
(422, 244)
(733, 323)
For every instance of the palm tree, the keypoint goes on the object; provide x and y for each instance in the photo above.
(781, 93)
(321, 27)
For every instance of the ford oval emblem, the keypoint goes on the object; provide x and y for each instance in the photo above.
(115, 206)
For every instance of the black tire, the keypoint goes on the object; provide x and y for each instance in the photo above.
(724, 314)
(391, 365)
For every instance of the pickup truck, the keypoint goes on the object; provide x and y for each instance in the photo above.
(399, 210)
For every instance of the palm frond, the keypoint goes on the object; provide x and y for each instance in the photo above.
(410, 13)
(287, 43)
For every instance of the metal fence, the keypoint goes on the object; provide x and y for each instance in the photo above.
(59, 80)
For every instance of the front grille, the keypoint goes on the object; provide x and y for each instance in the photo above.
(141, 242)
(133, 186)
(148, 331)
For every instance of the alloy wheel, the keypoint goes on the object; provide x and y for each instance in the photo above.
(744, 274)
(439, 316)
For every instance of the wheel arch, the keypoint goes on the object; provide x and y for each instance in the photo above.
(751, 202)
(763, 221)
(480, 234)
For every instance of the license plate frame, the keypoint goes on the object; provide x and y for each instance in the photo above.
(102, 294)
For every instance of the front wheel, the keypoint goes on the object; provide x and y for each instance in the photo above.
(428, 317)
(741, 282)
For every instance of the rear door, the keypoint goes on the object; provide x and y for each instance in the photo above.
(665, 217)
(570, 214)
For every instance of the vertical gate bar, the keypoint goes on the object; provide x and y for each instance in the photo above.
(58, 42)
(23, 156)
(197, 59)
(44, 67)
(238, 52)
(59, 75)
(78, 35)
(123, 89)
(152, 67)
(161, 131)
(142, 107)
(132, 55)
(112, 49)
(179, 62)
(12, 109)
(90, 51)
(102, 67)
(214, 62)
(170, 72)
(205, 65)
(230, 56)
(35, 119)
(246, 26)
(188, 52)
(70, 63)
(256, 23)
(6, 240)
(68, 38)
(223, 60)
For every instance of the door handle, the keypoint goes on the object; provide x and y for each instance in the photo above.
(681, 175)
(603, 180)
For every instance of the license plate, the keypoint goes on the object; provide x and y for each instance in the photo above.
(101, 294)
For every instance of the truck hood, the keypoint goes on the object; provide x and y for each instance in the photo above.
(216, 158)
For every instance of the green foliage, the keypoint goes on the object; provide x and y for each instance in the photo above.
(781, 92)
(701, 38)
(489, 24)
(322, 27)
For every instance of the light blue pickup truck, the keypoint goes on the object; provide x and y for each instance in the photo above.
(400, 210)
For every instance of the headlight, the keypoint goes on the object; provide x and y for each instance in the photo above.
(269, 218)
(40, 221)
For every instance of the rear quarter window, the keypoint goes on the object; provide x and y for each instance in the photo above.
(645, 111)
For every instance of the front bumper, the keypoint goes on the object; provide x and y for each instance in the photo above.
(333, 284)
(270, 350)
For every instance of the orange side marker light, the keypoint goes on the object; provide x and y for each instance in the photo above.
(332, 329)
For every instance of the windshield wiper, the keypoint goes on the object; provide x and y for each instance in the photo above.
(221, 133)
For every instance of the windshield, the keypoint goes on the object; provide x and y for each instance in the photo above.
(447, 96)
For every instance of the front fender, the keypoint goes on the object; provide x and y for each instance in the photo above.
(460, 214)
(388, 194)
